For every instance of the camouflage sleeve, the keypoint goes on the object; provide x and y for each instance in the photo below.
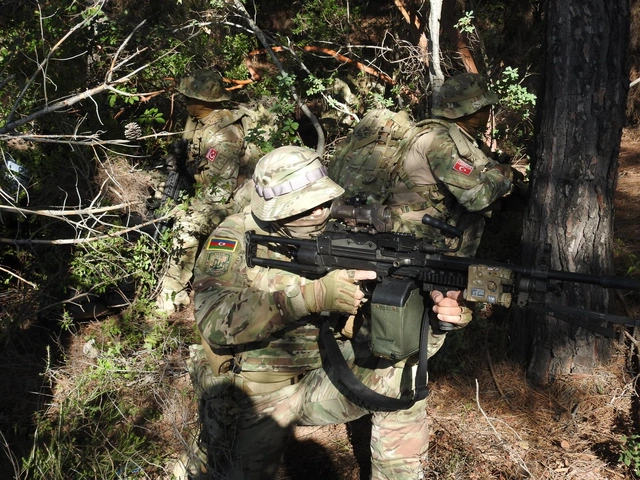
(474, 183)
(235, 304)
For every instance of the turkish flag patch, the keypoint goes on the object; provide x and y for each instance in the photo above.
(463, 167)
(212, 154)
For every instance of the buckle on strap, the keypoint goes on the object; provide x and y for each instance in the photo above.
(292, 185)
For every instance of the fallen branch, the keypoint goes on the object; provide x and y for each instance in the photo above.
(67, 213)
(80, 241)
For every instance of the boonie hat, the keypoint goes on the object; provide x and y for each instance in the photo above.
(288, 181)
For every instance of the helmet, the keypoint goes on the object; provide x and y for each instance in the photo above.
(290, 180)
(463, 95)
(206, 85)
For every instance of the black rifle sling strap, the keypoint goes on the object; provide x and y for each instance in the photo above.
(360, 390)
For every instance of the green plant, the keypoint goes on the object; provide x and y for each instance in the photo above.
(324, 20)
(100, 265)
(630, 454)
(465, 23)
(513, 94)
(151, 116)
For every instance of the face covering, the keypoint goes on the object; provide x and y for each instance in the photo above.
(305, 225)
(476, 122)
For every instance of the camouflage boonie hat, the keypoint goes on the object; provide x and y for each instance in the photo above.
(463, 95)
(206, 85)
(290, 180)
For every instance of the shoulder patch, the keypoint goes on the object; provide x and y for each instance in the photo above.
(463, 167)
(212, 154)
(217, 263)
(222, 244)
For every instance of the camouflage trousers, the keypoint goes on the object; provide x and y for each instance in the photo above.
(245, 435)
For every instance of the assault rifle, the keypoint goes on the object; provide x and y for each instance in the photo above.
(358, 238)
(178, 180)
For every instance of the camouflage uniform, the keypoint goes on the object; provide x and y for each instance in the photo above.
(217, 151)
(445, 174)
(268, 373)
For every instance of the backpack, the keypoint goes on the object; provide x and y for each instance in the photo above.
(367, 161)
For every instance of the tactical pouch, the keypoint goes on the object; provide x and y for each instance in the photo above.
(397, 308)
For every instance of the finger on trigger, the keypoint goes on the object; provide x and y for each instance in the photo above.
(365, 274)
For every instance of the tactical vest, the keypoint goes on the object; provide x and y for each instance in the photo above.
(369, 161)
(294, 350)
(217, 145)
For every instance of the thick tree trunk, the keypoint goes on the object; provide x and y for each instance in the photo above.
(581, 115)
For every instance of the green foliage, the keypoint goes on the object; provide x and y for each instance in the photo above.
(514, 95)
(314, 85)
(104, 264)
(98, 427)
(515, 130)
(630, 454)
(323, 20)
(465, 23)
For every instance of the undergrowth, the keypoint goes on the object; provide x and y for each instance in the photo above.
(118, 405)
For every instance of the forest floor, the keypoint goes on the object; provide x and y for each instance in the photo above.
(486, 421)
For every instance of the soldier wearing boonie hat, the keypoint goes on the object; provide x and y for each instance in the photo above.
(445, 173)
(289, 181)
(259, 370)
(463, 95)
(217, 152)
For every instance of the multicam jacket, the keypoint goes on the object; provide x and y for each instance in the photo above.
(249, 310)
(442, 171)
(218, 149)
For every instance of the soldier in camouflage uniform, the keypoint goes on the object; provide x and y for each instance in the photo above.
(259, 370)
(218, 154)
(444, 173)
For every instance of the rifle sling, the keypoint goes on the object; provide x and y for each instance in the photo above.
(372, 398)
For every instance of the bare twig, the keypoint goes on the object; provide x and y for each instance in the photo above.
(512, 453)
(263, 39)
(66, 213)
(42, 66)
(79, 241)
(13, 274)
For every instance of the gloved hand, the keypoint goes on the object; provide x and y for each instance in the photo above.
(513, 175)
(451, 309)
(336, 292)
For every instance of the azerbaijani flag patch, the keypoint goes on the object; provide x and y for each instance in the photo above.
(223, 244)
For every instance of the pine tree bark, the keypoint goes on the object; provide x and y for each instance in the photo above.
(580, 118)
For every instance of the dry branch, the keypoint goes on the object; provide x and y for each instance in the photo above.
(66, 213)
(79, 241)
(263, 39)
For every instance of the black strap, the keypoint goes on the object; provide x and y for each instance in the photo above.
(360, 390)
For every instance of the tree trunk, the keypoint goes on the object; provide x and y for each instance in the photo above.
(435, 71)
(580, 118)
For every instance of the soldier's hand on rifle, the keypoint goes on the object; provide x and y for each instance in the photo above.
(336, 292)
(451, 308)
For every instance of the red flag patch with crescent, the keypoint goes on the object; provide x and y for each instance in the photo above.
(212, 154)
(463, 167)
